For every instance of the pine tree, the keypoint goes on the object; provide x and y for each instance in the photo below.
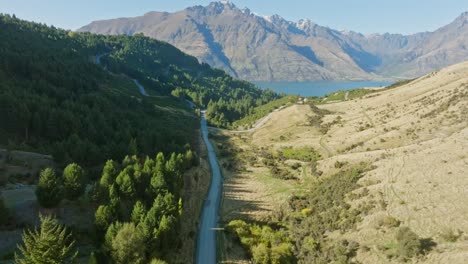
(138, 213)
(160, 162)
(171, 174)
(114, 197)
(127, 187)
(48, 192)
(103, 217)
(189, 159)
(158, 184)
(109, 172)
(73, 176)
(167, 231)
(148, 166)
(150, 223)
(127, 161)
(51, 244)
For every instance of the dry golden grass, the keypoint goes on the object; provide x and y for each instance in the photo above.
(415, 135)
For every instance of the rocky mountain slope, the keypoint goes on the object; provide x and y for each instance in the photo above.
(271, 48)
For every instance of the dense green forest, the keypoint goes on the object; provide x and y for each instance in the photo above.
(137, 206)
(148, 198)
(159, 65)
(55, 99)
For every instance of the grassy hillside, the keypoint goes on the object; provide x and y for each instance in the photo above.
(387, 187)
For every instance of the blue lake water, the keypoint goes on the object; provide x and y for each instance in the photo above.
(318, 88)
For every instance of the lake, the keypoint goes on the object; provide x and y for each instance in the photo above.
(318, 88)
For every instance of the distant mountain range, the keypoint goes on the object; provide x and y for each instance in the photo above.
(270, 48)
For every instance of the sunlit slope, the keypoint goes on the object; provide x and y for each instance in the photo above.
(416, 138)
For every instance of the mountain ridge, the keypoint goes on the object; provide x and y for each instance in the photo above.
(271, 48)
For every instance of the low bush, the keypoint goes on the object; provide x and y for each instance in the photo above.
(324, 209)
(265, 244)
(280, 173)
(340, 164)
(449, 235)
(408, 245)
(388, 221)
(305, 154)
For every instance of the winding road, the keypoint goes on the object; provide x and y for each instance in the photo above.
(140, 88)
(259, 123)
(256, 126)
(206, 244)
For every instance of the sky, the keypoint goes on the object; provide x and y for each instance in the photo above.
(364, 16)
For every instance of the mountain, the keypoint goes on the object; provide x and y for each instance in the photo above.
(271, 48)
(417, 54)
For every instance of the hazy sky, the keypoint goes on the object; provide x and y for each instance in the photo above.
(366, 16)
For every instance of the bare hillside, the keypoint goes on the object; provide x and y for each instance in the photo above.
(415, 137)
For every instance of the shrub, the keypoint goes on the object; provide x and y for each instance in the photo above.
(261, 254)
(296, 166)
(388, 221)
(329, 212)
(449, 235)
(303, 154)
(264, 243)
(283, 253)
(306, 212)
(281, 174)
(340, 164)
(408, 244)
